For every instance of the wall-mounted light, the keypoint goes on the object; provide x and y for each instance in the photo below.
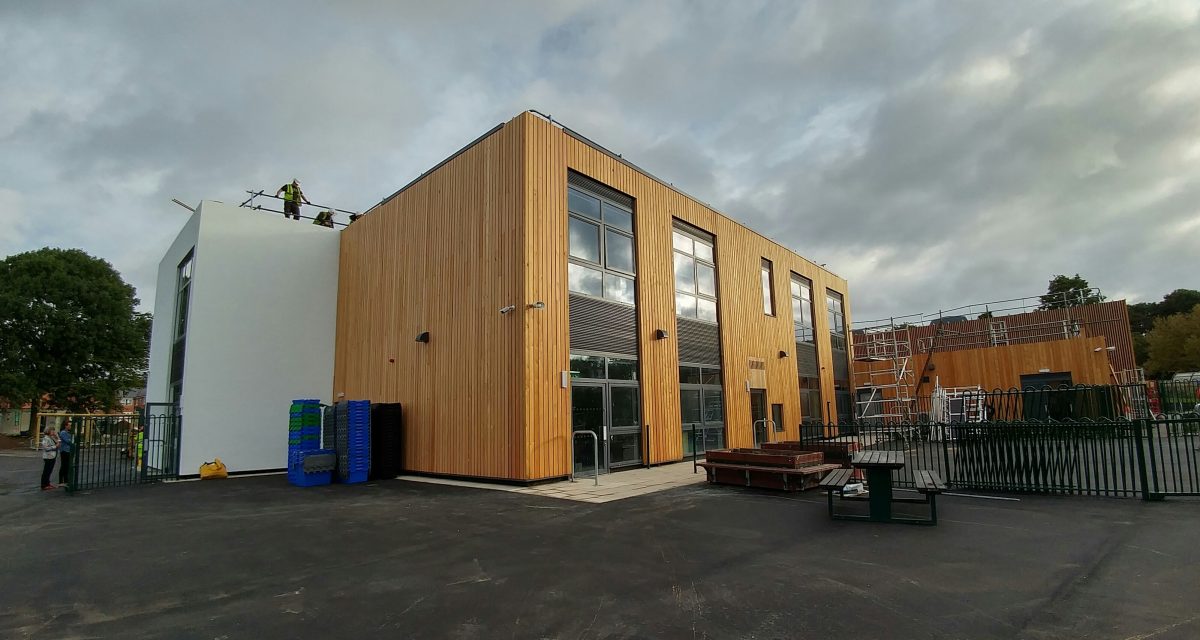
(783, 354)
(538, 305)
(1099, 349)
(661, 334)
(510, 308)
(423, 337)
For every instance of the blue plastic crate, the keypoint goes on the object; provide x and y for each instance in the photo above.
(354, 477)
(311, 479)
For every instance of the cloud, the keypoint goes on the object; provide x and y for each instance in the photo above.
(935, 153)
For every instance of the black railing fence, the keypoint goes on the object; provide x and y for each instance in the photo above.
(120, 450)
(1150, 458)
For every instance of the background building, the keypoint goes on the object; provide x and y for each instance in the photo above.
(898, 364)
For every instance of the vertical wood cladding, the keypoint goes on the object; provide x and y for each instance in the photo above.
(488, 229)
(745, 331)
(1001, 367)
(443, 256)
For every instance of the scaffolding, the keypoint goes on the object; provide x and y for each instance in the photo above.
(885, 391)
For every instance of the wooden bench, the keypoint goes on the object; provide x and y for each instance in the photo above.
(786, 478)
(930, 484)
(836, 480)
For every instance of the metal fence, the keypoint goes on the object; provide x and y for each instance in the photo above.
(1148, 458)
(122, 449)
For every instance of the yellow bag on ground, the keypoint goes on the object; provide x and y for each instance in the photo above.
(214, 469)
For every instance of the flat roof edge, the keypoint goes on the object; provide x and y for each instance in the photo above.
(437, 166)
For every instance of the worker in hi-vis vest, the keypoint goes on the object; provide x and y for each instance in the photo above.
(292, 197)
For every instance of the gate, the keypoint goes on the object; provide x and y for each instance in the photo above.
(1173, 456)
(124, 449)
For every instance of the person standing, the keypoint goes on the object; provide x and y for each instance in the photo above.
(292, 197)
(49, 454)
(66, 446)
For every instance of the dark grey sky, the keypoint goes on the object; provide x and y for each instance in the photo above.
(935, 154)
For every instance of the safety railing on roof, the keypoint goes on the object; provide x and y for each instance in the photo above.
(325, 218)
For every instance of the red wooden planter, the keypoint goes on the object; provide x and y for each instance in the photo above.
(760, 458)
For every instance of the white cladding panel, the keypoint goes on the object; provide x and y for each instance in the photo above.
(260, 332)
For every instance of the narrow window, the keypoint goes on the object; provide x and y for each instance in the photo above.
(767, 292)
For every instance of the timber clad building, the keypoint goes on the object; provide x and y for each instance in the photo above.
(535, 284)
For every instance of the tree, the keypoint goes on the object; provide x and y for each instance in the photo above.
(69, 332)
(1143, 314)
(1069, 291)
(1178, 301)
(1174, 344)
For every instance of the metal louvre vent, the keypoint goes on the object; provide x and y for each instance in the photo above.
(806, 360)
(597, 325)
(587, 184)
(699, 342)
(841, 365)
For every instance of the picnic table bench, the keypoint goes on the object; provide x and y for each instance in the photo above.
(879, 466)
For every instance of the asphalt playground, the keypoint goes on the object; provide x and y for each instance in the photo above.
(255, 558)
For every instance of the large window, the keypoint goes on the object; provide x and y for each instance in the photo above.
(767, 291)
(695, 275)
(802, 308)
(600, 247)
(837, 320)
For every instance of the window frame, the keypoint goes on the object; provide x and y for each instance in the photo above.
(603, 231)
(835, 310)
(767, 276)
(808, 329)
(694, 238)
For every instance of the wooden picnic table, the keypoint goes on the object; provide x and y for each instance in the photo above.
(879, 466)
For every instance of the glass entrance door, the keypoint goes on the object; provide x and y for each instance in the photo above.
(613, 413)
(588, 414)
(625, 426)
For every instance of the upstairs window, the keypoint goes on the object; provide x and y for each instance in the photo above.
(767, 292)
(600, 247)
(695, 274)
(802, 308)
(837, 319)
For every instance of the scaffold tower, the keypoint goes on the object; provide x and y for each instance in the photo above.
(885, 385)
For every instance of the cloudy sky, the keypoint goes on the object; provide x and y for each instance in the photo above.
(935, 154)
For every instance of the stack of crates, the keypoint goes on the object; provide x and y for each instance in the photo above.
(304, 438)
(304, 425)
(311, 467)
(387, 441)
(353, 437)
(329, 433)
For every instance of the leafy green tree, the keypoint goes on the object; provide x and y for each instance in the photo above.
(1178, 301)
(69, 332)
(1174, 344)
(1143, 314)
(1069, 291)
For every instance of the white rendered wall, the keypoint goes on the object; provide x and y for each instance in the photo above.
(260, 332)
